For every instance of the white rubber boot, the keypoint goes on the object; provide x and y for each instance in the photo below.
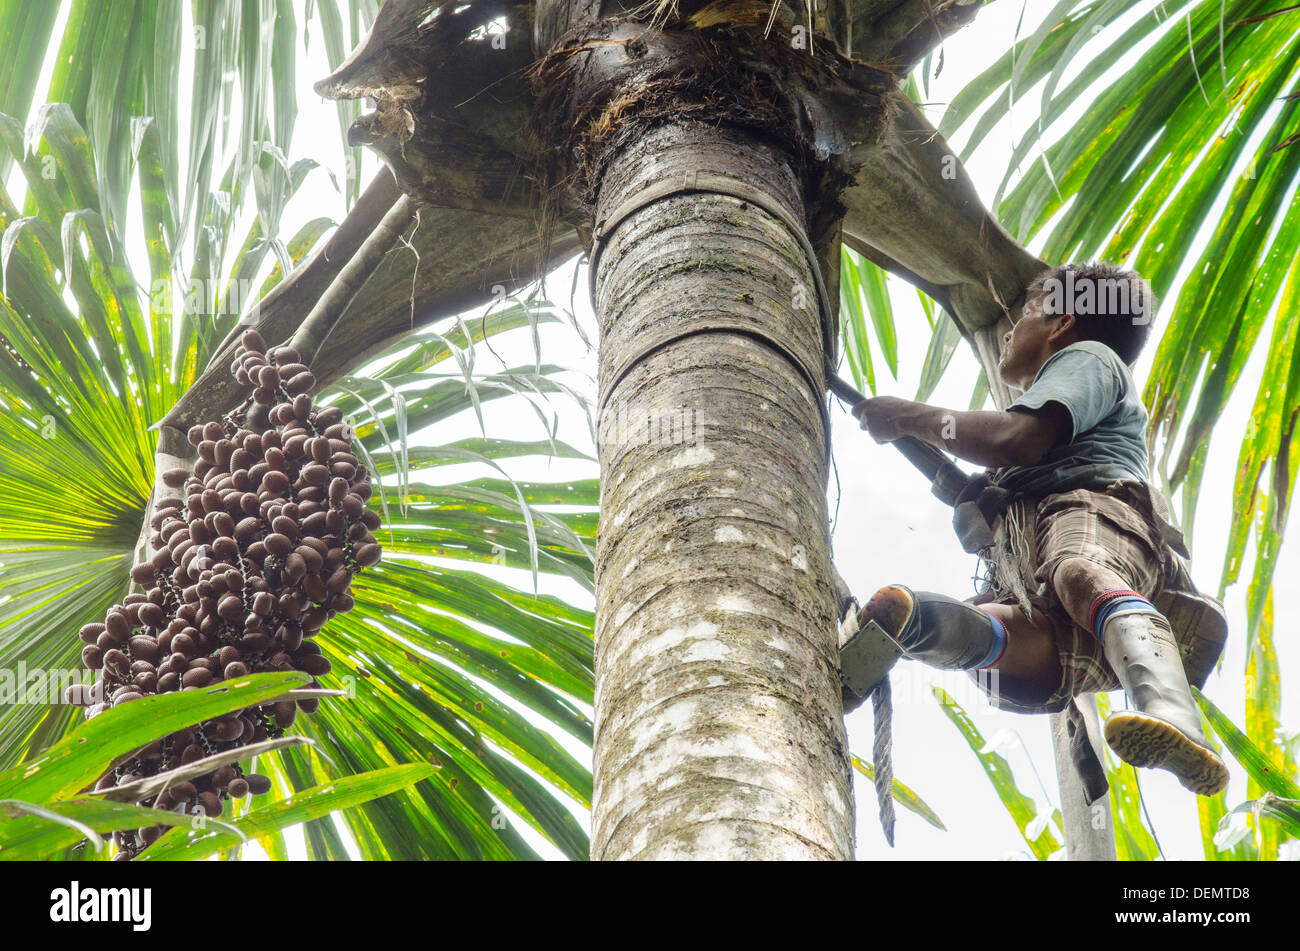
(1164, 729)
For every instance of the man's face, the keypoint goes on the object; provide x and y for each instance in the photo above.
(1025, 347)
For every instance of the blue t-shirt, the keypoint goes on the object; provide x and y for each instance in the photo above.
(1109, 422)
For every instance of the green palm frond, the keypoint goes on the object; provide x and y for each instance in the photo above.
(1263, 719)
(1037, 829)
(901, 794)
(1284, 813)
(1133, 839)
(1262, 764)
(66, 814)
(1274, 781)
(117, 62)
(443, 663)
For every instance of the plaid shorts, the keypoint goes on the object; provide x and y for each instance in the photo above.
(1118, 528)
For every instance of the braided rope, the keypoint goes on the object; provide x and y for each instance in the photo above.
(882, 755)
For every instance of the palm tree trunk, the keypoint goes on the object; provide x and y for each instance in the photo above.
(719, 726)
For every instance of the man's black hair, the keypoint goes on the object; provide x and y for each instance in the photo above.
(1110, 305)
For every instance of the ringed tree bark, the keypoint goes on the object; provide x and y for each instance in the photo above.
(719, 730)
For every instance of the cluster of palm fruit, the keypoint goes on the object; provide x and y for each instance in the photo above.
(245, 571)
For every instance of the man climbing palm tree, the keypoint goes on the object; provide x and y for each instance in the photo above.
(1103, 545)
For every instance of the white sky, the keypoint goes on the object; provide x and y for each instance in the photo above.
(889, 528)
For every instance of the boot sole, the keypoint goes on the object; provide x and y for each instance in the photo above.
(1143, 740)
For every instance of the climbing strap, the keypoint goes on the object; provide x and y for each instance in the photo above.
(707, 182)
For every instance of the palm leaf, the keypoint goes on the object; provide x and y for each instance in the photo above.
(68, 767)
(1133, 840)
(1259, 764)
(902, 794)
(1263, 717)
(313, 803)
(1286, 813)
(1038, 834)
(447, 666)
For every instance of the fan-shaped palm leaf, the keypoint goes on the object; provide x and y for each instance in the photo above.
(444, 665)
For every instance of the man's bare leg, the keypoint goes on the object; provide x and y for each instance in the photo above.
(1078, 583)
(1030, 667)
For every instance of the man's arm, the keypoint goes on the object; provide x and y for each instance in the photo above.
(1007, 438)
